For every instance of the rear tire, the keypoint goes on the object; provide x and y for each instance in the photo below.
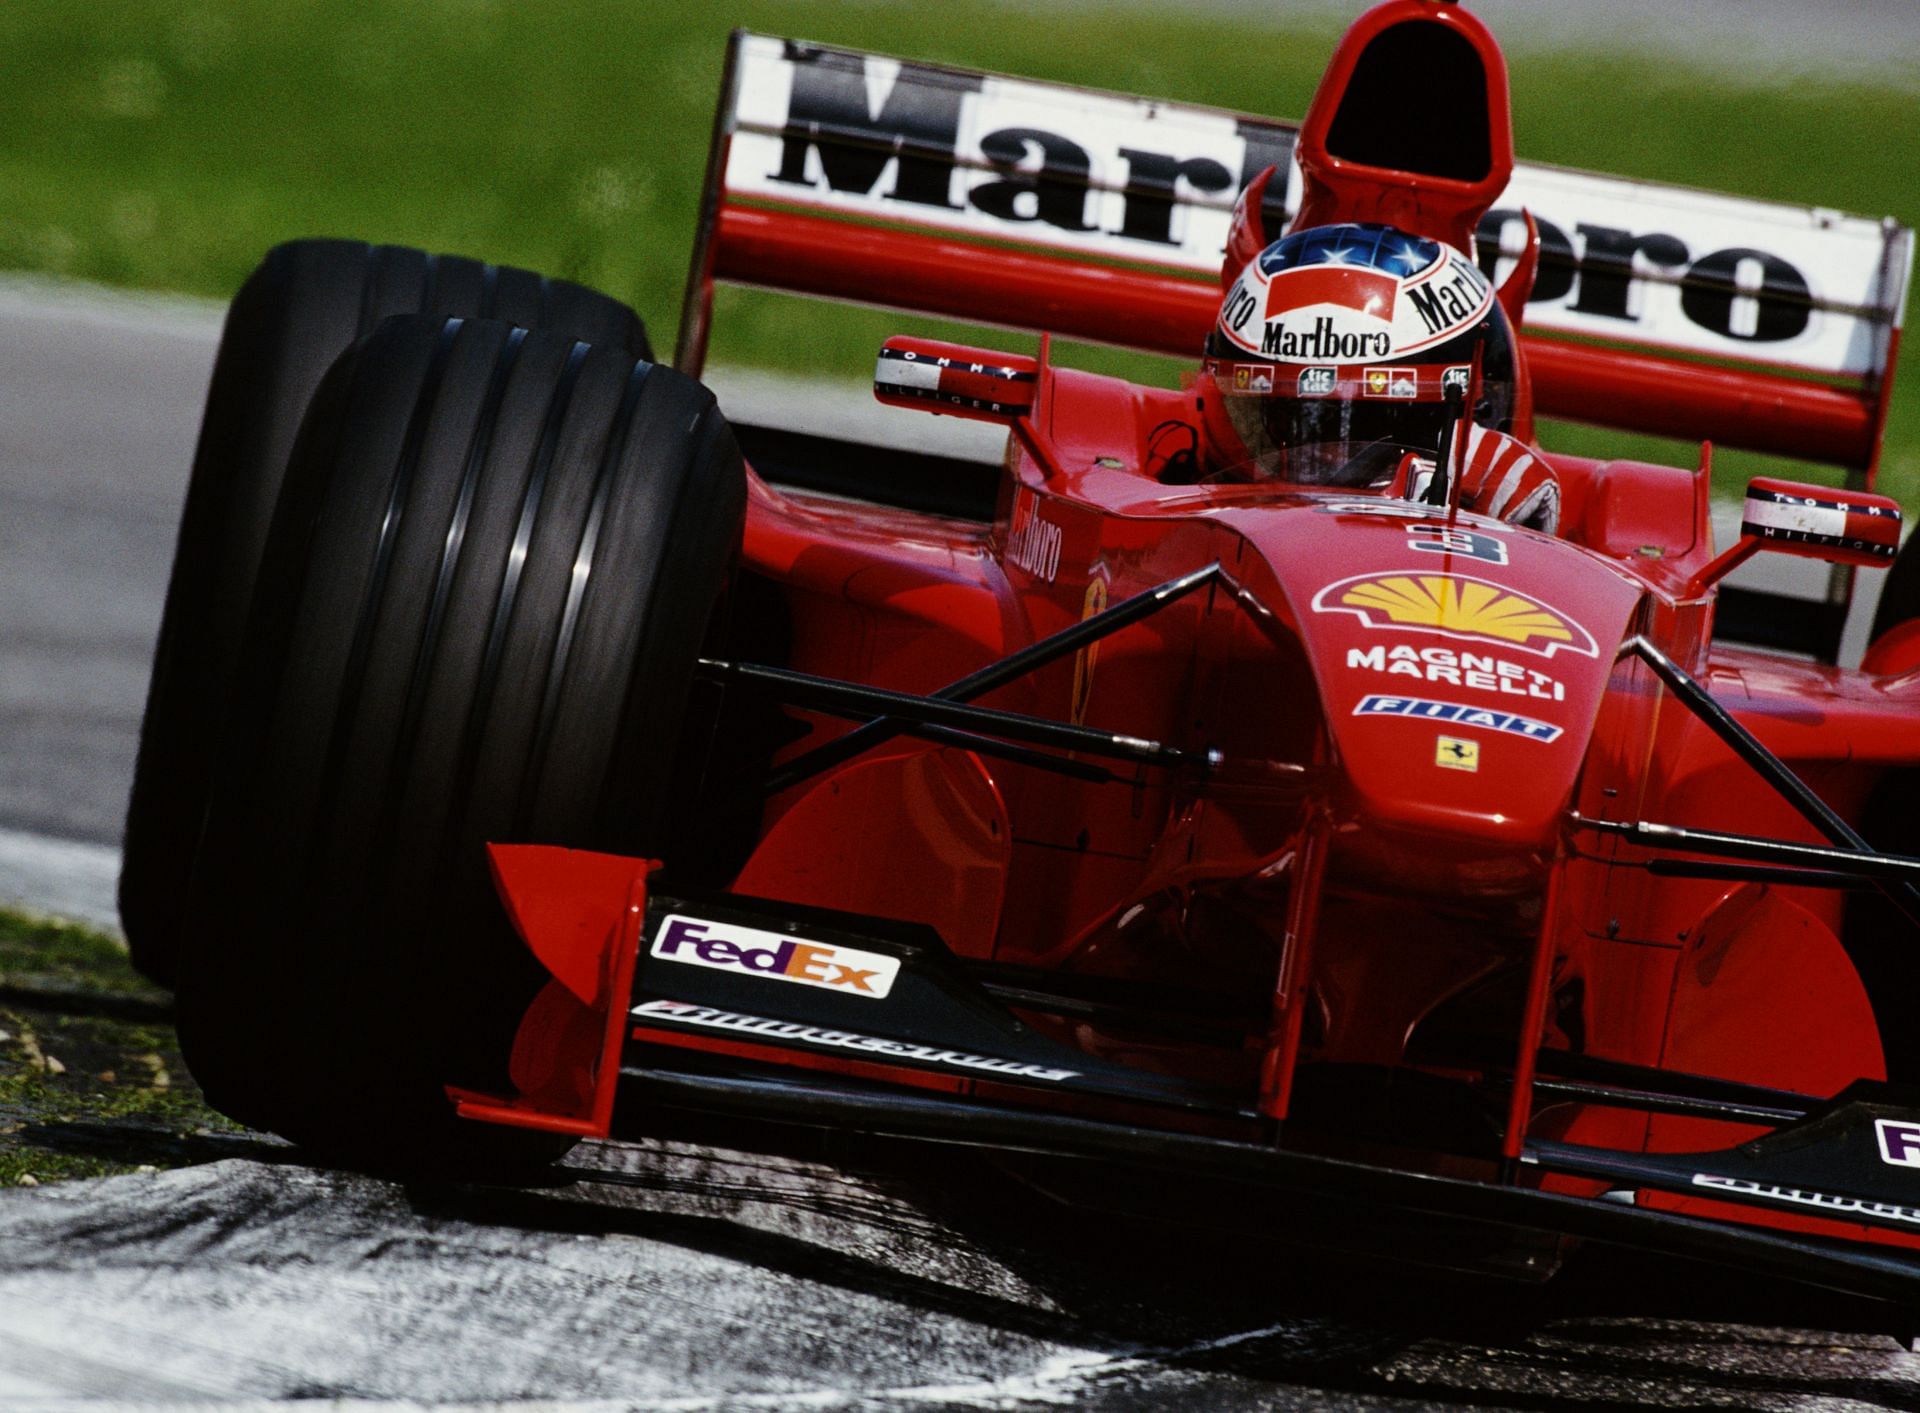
(1879, 937)
(496, 557)
(300, 309)
(1900, 594)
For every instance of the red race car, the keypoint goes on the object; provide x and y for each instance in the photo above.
(1296, 780)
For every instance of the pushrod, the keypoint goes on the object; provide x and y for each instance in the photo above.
(1897, 884)
(857, 700)
(997, 674)
(1880, 868)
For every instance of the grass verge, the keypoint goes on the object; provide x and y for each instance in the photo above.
(165, 144)
(91, 1079)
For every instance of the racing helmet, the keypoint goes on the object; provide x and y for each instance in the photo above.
(1335, 351)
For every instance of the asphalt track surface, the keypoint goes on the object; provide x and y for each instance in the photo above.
(671, 1275)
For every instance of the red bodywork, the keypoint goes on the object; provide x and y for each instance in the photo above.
(1413, 714)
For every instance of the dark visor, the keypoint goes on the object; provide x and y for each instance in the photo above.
(1331, 442)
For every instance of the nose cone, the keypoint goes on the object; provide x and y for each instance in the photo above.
(1461, 665)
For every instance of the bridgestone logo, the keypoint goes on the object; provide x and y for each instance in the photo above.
(1825, 1201)
(791, 1032)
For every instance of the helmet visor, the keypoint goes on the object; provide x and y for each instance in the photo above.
(1349, 444)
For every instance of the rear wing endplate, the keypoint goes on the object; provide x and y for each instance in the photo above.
(1103, 217)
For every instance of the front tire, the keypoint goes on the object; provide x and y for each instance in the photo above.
(496, 557)
(305, 304)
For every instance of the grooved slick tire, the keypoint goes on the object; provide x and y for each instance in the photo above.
(1900, 595)
(300, 310)
(495, 560)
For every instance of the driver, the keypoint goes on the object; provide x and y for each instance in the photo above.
(1343, 353)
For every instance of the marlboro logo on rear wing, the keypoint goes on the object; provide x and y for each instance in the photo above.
(1104, 217)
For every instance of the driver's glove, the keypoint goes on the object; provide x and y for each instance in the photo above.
(1503, 478)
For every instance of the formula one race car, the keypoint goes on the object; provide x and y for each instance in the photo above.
(1233, 782)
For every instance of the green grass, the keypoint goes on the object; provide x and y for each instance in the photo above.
(166, 143)
(91, 1079)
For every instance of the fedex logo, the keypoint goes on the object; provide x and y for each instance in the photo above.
(724, 946)
(1899, 1142)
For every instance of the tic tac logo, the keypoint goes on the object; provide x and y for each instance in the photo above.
(1317, 382)
(722, 946)
(1899, 1142)
(1456, 606)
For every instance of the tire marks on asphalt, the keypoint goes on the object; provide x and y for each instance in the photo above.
(667, 1276)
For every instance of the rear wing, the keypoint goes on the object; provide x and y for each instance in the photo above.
(1103, 217)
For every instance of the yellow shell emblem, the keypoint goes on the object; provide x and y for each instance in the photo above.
(1457, 606)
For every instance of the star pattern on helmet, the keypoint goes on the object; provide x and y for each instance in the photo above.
(1366, 247)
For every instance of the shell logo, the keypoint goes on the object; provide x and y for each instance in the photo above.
(1456, 606)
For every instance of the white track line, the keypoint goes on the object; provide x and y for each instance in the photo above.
(70, 302)
(60, 877)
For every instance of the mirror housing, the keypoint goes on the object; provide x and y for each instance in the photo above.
(1814, 522)
(952, 378)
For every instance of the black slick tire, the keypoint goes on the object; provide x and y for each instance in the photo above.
(300, 310)
(1900, 595)
(496, 557)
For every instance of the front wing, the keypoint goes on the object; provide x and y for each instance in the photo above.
(788, 1016)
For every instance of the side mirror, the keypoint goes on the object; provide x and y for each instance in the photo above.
(1845, 527)
(948, 377)
(1814, 522)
